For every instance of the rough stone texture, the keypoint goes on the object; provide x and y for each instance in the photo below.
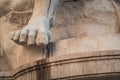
(84, 30)
(74, 19)
(92, 18)
(86, 44)
(4, 65)
(6, 75)
(95, 65)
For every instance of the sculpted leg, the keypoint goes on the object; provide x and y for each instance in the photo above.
(37, 32)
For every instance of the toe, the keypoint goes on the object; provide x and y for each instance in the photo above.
(16, 36)
(32, 37)
(42, 39)
(23, 36)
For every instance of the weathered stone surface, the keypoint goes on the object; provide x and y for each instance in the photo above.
(6, 75)
(4, 65)
(85, 39)
(85, 66)
(86, 44)
(91, 18)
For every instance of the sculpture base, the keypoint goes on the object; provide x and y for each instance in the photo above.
(94, 64)
(84, 66)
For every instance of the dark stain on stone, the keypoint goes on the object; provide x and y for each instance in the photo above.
(43, 73)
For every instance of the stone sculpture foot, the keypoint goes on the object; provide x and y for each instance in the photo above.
(36, 32)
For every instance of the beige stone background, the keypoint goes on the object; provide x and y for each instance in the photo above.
(88, 20)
